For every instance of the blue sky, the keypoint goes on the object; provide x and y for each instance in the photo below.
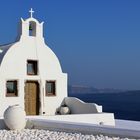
(97, 42)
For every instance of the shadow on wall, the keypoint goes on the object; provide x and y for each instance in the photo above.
(2, 124)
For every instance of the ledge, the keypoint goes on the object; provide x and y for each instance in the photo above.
(121, 129)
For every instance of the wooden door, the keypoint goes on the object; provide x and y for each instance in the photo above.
(32, 98)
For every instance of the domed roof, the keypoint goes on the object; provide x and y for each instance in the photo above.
(3, 49)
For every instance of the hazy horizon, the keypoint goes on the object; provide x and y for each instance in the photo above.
(97, 42)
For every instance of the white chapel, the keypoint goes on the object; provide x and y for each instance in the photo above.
(30, 72)
(31, 77)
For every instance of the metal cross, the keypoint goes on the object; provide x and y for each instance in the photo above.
(31, 12)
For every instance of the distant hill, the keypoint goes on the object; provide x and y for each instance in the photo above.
(87, 89)
(82, 89)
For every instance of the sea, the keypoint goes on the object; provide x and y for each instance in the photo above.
(125, 105)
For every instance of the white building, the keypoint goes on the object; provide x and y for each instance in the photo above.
(31, 76)
(30, 73)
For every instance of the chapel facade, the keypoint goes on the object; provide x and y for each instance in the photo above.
(30, 72)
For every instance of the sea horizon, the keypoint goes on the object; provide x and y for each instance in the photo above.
(124, 105)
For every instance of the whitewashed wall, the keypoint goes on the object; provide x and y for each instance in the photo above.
(13, 67)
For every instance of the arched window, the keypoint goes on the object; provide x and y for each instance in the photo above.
(32, 28)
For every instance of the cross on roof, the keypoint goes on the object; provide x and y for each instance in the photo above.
(31, 12)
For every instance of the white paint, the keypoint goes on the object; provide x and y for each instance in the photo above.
(1, 51)
(14, 67)
(127, 124)
(14, 117)
(123, 128)
(31, 12)
(64, 110)
(79, 107)
(97, 118)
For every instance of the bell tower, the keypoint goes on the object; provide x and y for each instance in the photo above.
(31, 28)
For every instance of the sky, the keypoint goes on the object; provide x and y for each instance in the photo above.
(96, 41)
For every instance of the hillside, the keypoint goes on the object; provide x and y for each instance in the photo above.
(88, 89)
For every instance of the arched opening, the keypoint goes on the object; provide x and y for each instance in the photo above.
(32, 28)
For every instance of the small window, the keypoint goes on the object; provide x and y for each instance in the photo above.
(11, 88)
(31, 67)
(50, 88)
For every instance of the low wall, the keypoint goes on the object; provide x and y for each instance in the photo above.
(77, 106)
(97, 118)
(123, 128)
(73, 127)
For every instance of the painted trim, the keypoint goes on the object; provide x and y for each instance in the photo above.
(51, 94)
(11, 94)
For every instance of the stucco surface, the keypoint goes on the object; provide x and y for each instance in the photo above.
(13, 60)
(77, 106)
